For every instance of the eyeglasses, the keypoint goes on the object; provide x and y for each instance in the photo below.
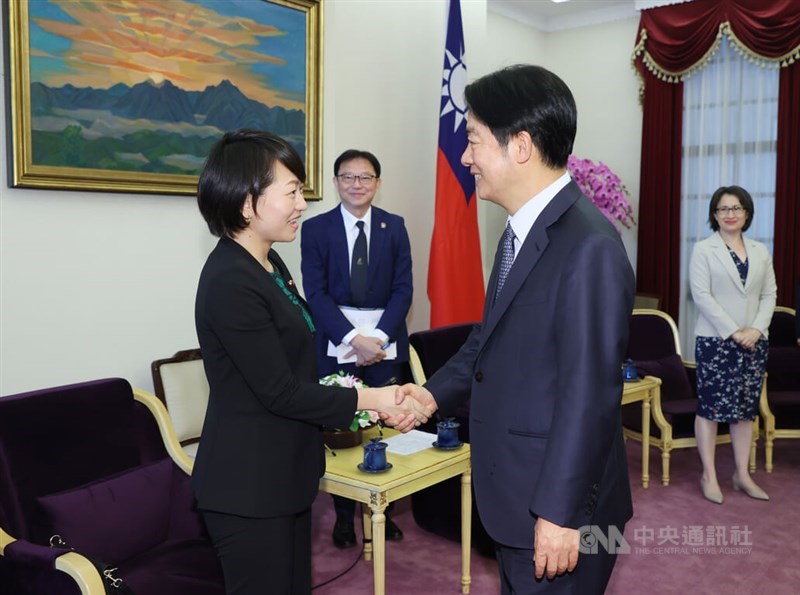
(365, 179)
(732, 210)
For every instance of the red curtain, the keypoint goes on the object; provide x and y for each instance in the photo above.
(787, 190)
(658, 259)
(671, 41)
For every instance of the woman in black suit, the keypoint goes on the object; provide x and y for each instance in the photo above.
(261, 454)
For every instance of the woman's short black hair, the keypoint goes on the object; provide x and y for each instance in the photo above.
(744, 199)
(527, 98)
(351, 154)
(241, 164)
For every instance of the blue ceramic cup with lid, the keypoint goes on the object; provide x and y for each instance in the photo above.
(375, 455)
(629, 372)
(447, 433)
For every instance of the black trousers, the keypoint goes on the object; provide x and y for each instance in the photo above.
(517, 577)
(259, 556)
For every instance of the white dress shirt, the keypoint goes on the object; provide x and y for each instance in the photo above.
(522, 221)
(351, 231)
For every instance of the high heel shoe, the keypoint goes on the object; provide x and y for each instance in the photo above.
(754, 492)
(711, 494)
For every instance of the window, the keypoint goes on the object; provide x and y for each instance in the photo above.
(730, 130)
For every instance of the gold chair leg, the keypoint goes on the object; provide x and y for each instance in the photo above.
(665, 467)
(768, 449)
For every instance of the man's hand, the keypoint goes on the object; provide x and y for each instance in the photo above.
(421, 398)
(383, 400)
(417, 399)
(368, 350)
(402, 423)
(555, 549)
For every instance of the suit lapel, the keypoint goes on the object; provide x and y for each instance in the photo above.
(379, 229)
(753, 264)
(277, 261)
(338, 244)
(492, 288)
(531, 251)
(723, 256)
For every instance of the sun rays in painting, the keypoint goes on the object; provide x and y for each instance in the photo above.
(191, 44)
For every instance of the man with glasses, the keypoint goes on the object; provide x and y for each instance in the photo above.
(356, 264)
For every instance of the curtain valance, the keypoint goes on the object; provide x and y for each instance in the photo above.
(674, 41)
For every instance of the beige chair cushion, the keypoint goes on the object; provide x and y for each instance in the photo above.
(186, 393)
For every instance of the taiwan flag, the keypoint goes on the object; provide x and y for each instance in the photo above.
(455, 273)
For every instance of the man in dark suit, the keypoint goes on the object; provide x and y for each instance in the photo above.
(358, 256)
(543, 368)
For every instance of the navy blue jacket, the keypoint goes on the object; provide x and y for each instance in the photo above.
(326, 278)
(544, 373)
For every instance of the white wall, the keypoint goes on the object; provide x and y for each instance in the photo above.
(595, 62)
(95, 285)
(519, 44)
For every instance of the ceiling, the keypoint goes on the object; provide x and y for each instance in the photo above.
(547, 15)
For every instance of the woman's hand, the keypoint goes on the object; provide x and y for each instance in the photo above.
(747, 337)
(423, 399)
(420, 400)
(400, 407)
(402, 416)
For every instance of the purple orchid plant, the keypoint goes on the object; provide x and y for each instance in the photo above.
(604, 188)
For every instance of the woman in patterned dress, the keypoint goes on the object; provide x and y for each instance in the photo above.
(733, 286)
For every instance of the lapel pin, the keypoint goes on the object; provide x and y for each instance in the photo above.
(383, 224)
(291, 282)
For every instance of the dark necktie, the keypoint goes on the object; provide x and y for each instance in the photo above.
(358, 268)
(507, 259)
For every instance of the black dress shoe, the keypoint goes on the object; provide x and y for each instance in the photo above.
(344, 535)
(393, 532)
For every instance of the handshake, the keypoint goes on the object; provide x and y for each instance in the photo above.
(402, 407)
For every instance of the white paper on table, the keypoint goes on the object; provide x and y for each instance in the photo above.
(365, 322)
(408, 444)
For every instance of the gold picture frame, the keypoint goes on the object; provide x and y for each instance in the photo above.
(106, 97)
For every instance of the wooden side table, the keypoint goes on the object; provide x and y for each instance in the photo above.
(408, 474)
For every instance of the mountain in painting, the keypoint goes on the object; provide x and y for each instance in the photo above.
(227, 108)
(164, 102)
(149, 126)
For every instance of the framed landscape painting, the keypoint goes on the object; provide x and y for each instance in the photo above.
(120, 96)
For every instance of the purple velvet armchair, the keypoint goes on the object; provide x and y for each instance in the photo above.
(437, 508)
(780, 403)
(654, 346)
(98, 464)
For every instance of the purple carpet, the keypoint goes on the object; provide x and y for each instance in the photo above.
(680, 543)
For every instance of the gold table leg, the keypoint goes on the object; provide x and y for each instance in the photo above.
(366, 524)
(378, 505)
(466, 529)
(646, 440)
